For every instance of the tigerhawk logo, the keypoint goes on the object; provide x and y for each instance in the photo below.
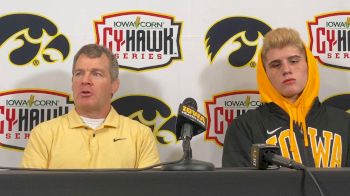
(30, 39)
(151, 112)
(339, 101)
(242, 32)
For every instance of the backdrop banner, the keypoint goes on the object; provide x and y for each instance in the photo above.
(167, 51)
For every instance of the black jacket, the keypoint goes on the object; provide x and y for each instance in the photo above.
(328, 136)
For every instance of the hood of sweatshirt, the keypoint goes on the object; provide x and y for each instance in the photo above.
(298, 110)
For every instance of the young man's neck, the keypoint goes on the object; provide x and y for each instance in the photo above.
(293, 99)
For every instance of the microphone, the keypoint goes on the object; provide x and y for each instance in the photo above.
(266, 156)
(189, 122)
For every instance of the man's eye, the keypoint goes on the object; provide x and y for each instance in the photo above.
(275, 65)
(98, 74)
(77, 74)
(294, 61)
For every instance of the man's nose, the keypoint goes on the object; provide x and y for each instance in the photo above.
(86, 79)
(286, 68)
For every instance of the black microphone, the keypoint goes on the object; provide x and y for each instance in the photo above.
(266, 156)
(189, 122)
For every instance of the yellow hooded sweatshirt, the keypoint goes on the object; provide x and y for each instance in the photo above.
(297, 111)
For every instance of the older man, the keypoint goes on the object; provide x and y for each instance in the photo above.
(93, 134)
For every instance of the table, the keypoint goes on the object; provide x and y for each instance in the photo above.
(235, 181)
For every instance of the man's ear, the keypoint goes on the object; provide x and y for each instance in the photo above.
(115, 85)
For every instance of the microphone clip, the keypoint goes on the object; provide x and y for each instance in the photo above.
(258, 156)
(266, 156)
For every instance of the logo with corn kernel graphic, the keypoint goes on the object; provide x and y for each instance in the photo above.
(223, 108)
(140, 40)
(21, 110)
(330, 39)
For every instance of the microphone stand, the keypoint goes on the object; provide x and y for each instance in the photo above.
(189, 164)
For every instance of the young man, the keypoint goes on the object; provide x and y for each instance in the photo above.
(93, 134)
(292, 116)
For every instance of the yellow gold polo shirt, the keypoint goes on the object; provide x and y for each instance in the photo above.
(67, 143)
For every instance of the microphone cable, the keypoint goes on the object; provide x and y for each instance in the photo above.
(290, 163)
(163, 163)
(96, 170)
(313, 179)
(279, 160)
